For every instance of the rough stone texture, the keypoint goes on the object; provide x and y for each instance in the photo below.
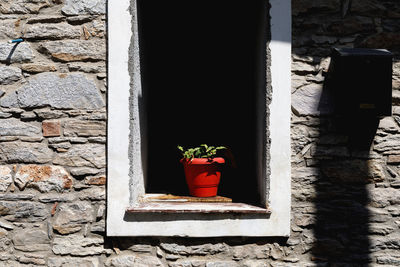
(80, 171)
(127, 260)
(24, 152)
(15, 127)
(309, 100)
(72, 262)
(9, 75)
(97, 180)
(72, 217)
(10, 53)
(23, 211)
(90, 155)
(6, 225)
(75, 50)
(85, 67)
(78, 245)
(95, 193)
(45, 19)
(7, 29)
(32, 240)
(44, 178)
(51, 128)
(76, 7)
(57, 91)
(84, 128)
(51, 31)
(38, 68)
(22, 6)
(5, 179)
(121, 261)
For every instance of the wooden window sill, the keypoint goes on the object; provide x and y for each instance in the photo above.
(159, 203)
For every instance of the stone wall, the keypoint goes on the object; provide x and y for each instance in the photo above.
(52, 142)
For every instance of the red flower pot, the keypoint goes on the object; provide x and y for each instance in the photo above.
(203, 176)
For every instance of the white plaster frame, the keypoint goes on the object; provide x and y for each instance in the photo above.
(119, 196)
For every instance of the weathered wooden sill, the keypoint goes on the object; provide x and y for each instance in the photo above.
(157, 203)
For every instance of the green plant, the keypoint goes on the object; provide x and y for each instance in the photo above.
(202, 151)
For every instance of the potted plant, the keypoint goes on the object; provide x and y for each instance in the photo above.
(202, 169)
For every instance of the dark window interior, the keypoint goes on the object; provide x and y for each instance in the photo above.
(203, 66)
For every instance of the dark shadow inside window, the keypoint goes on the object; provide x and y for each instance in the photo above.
(203, 69)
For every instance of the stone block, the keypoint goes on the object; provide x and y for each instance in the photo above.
(45, 178)
(51, 31)
(84, 128)
(71, 217)
(46, 114)
(5, 178)
(222, 264)
(389, 260)
(380, 229)
(72, 262)
(38, 67)
(15, 53)
(383, 197)
(95, 194)
(79, 19)
(61, 147)
(9, 75)
(31, 258)
(22, 6)
(393, 159)
(45, 19)
(387, 144)
(21, 211)
(86, 67)
(310, 100)
(15, 127)
(205, 249)
(302, 67)
(6, 225)
(88, 7)
(78, 245)
(96, 180)
(8, 29)
(23, 152)
(51, 128)
(31, 240)
(57, 197)
(83, 155)
(16, 196)
(73, 91)
(254, 263)
(81, 171)
(75, 50)
(354, 171)
(127, 260)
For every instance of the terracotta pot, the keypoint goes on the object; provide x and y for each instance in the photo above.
(203, 176)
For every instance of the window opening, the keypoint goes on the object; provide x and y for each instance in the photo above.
(203, 75)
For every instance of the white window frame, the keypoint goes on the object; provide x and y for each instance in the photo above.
(124, 160)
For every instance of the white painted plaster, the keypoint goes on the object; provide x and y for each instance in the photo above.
(119, 37)
(280, 112)
(196, 225)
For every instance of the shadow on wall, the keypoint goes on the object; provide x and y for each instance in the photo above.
(345, 168)
(339, 215)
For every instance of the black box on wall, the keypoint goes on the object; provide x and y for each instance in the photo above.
(361, 81)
